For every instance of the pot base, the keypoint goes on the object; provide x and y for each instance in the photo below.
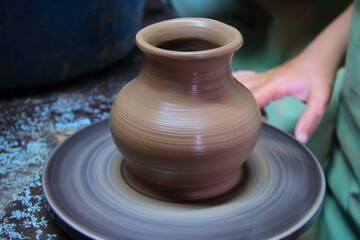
(177, 194)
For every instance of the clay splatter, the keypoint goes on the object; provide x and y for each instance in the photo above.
(30, 132)
(32, 216)
(31, 127)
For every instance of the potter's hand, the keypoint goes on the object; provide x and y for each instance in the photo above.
(308, 77)
(296, 78)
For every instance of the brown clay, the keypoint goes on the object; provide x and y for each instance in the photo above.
(184, 125)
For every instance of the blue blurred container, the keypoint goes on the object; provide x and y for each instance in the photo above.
(51, 41)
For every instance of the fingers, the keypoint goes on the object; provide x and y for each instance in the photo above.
(288, 80)
(312, 116)
(264, 116)
(248, 78)
(264, 88)
(267, 91)
(239, 74)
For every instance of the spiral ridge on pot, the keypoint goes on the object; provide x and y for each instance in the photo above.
(184, 125)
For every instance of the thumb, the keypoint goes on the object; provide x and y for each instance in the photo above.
(243, 73)
(311, 118)
(247, 78)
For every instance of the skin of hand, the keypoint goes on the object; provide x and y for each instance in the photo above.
(308, 77)
(297, 78)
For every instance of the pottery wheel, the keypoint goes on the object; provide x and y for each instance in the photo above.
(83, 184)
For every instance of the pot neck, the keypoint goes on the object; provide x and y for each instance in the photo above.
(190, 76)
(192, 55)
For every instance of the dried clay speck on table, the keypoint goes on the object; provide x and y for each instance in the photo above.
(31, 126)
(34, 121)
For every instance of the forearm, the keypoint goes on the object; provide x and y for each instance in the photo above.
(328, 48)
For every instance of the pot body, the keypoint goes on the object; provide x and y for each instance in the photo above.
(185, 126)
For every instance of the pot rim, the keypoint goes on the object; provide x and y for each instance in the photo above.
(228, 37)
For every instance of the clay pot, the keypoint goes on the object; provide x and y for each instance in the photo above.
(184, 125)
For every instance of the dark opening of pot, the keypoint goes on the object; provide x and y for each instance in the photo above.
(188, 44)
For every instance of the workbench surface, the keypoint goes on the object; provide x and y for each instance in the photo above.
(34, 121)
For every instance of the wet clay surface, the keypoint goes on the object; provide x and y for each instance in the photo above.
(184, 125)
